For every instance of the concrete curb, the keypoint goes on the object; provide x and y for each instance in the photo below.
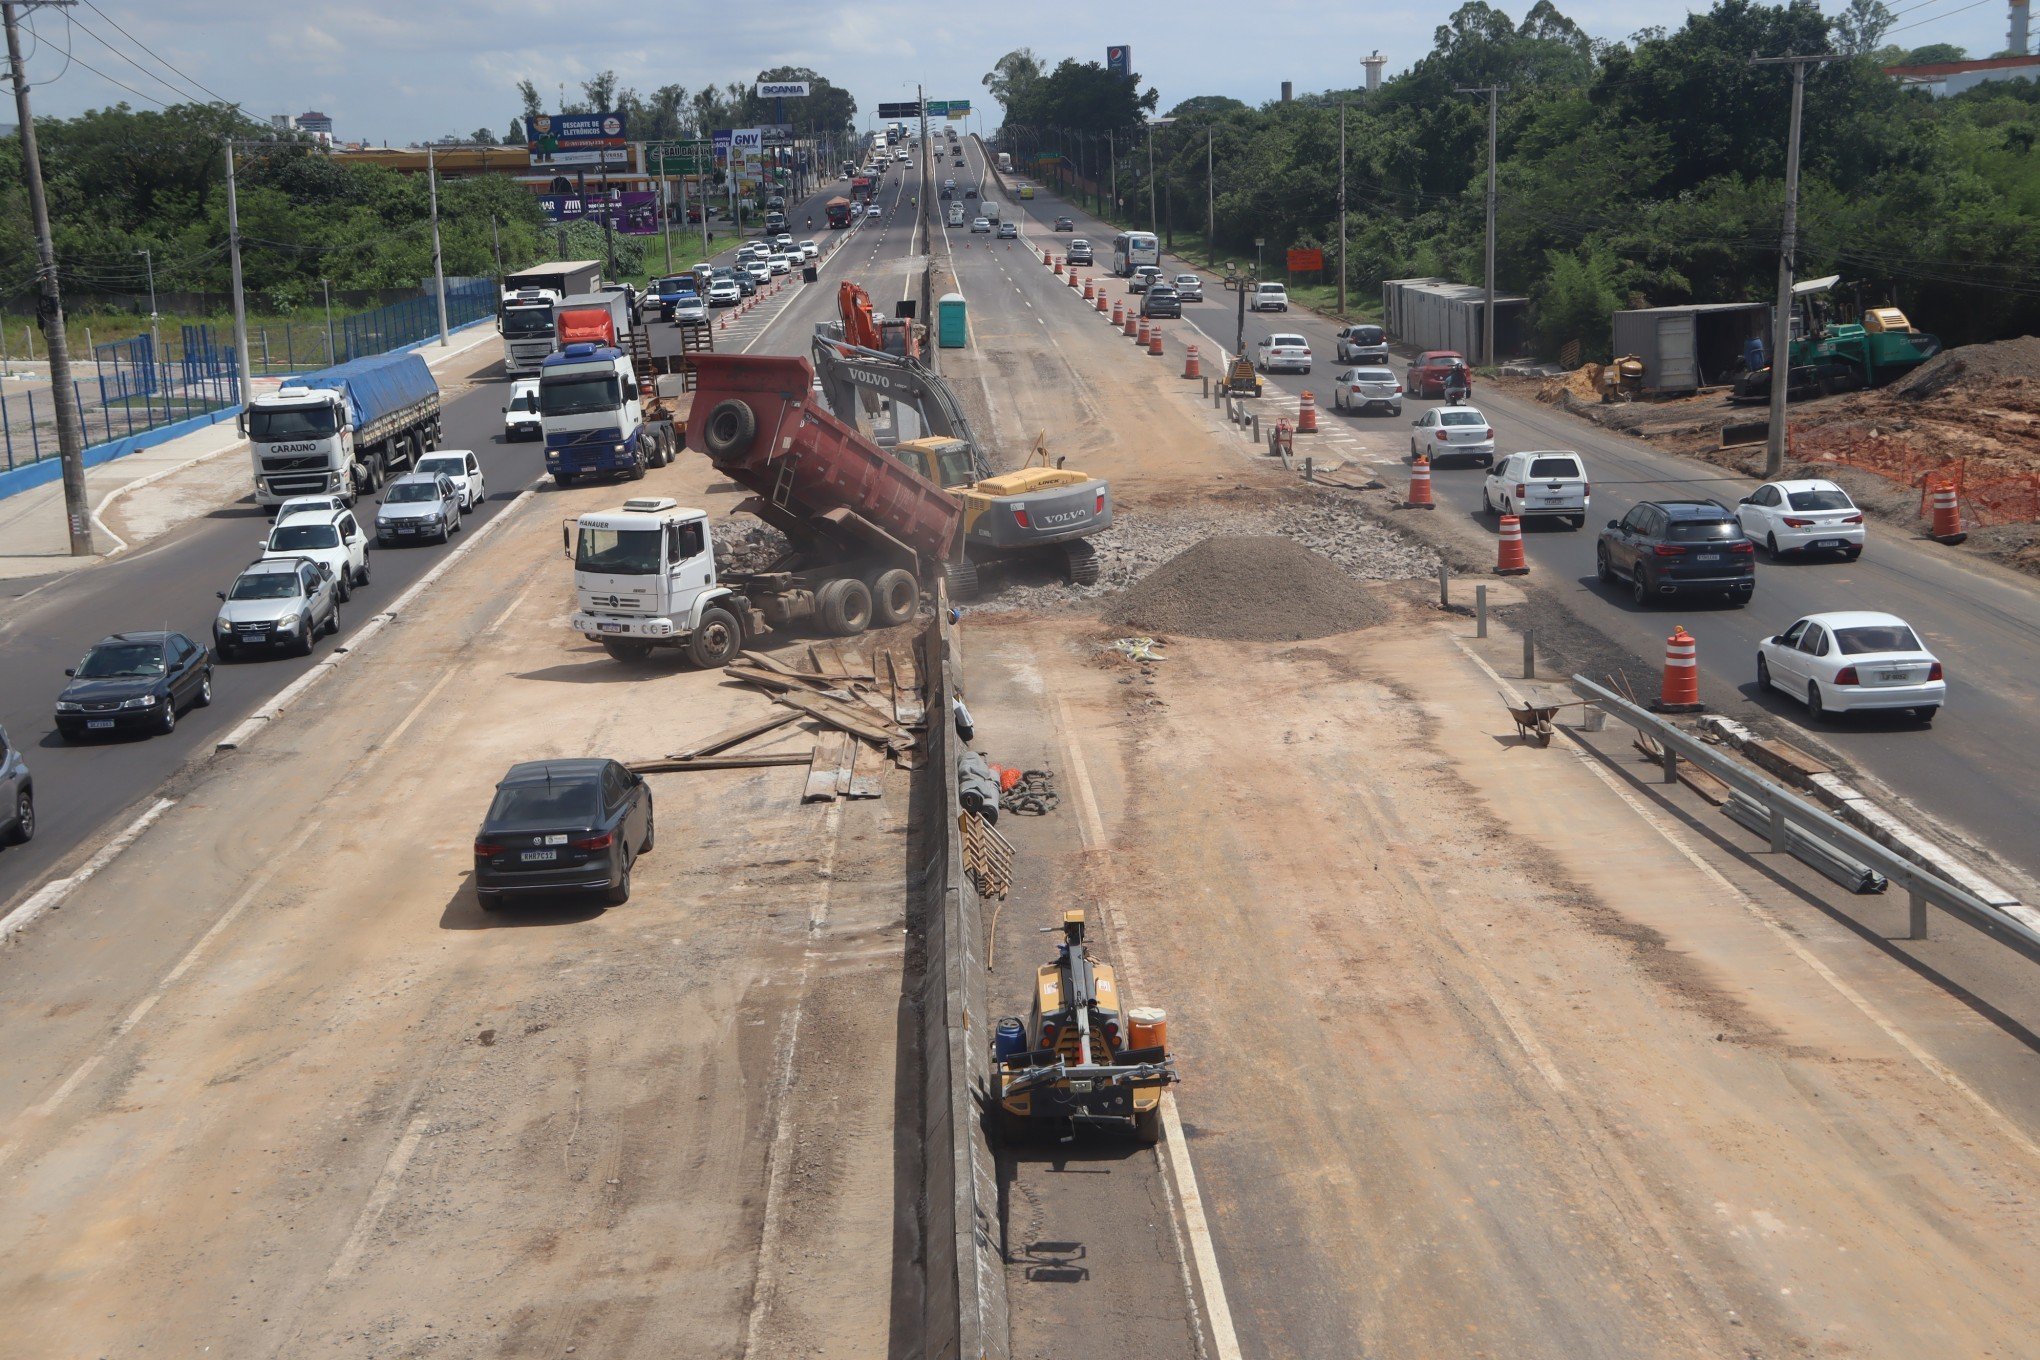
(964, 1305)
(291, 693)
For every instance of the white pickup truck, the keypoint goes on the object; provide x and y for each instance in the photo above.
(1545, 484)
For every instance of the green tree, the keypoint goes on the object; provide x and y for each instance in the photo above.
(1576, 300)
(1861, 26)
(1011, 76)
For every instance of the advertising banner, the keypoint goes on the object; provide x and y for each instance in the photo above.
(746, 140)
(578, 139)
(721, 138)
(1119, 61)
(631, 212)
(1303, 261)
(776, 134)
(782, 89)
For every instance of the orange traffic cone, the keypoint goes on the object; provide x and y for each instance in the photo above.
(1155, 340)
(1190, 368)
(1089, 291)
(1509, 559)
(1680, 692)
(1140, 337)
(1947, 513)
(1057, 264)
(1420, 485)
(1306, 415)
(1118, 312)
(1130, 323)
(1073, 278)
(1101, 302)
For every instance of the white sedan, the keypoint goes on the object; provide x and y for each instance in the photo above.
(1802, 517)
(809, 250)
(1850, 661)
(1453, 432)
(1291, 352)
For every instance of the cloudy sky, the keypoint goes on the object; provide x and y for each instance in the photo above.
(401, 70)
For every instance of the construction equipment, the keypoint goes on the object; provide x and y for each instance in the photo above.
(1621, 380)
(1040, 509)
(1079, 1057)
(1829, 355)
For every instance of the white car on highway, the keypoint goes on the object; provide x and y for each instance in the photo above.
(1364, 389)
(1453, 432)
(463, 469)
(330, 537)
(981, 224)
(1802, 517)
(724, 293)
(778, 264)
(1189, 287)
(1289, 352)
(1543, 484)
(1850, 661)
(520, 417)
(759, 271)
(809, 250)
(1268, 297)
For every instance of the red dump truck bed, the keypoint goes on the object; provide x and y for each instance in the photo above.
(758, 418)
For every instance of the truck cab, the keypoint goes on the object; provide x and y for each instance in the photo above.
(644, 577)
(527, 328)
(301, 443)
(591, 414)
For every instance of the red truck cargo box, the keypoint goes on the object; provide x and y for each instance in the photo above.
(586, 323)
(758, 419)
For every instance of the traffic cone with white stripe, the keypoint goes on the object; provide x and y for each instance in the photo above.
(1306, 415)
(1101, 302)
(1155, 340)
(1509, 559)
(1140, 337)
(1118, 312)
(1680, 692)
(1190, 366)
(1420, 485)
(1947, 513)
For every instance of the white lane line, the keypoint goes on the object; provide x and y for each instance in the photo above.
(378, 1200)
(52, 894)
(1594, 761)
(1225, 1341)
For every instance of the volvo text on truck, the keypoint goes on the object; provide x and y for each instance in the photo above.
(344, 430)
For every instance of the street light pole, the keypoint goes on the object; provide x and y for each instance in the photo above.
(326, 284)
(155, 341)
(1342, 208)
(50, 310)
(1210, 202)
(438, 261)
(1788, 248)
(1487, 320)
(1151, 175)
(241, 371)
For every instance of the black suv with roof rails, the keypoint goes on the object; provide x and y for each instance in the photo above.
(1670, 548)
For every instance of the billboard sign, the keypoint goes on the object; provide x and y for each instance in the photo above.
(782, 89)
(938, 108)
(1119, 61)
(1303, 261)
(632, 212)
(777, 134)
(578, 139)
(746, 140)
(721, 138)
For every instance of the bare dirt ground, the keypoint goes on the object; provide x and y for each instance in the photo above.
(278, 1087)
(1477, 1063)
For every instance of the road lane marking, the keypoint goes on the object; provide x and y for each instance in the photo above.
(1595, 762)
(378, 1200)
(52, 894)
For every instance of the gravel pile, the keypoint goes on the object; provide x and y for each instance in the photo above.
(1262, 589)
(746, 545)
(1982, 370)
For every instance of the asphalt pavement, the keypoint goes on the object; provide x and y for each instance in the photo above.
(1971, 770)
(83, 792)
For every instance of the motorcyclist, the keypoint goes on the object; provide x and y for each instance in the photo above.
(811, 221)
(1458, 384)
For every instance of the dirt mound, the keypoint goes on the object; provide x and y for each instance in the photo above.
(1978, 369)
(1260, 589)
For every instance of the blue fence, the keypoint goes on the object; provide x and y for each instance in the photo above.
(139, 386)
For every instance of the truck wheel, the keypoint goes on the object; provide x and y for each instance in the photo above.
(962, 580)
(716, 640)
(637, 471)
(563, 479)
(894, 597)
(1080, 561)
(845, 606)
(627, 649)
(729, 430)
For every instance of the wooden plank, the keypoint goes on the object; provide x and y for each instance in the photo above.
(821, 780)
(769, 663)
(1703, 783)
(867, 779)
(736, 762)
(855, 667)
(846, 762)
(779, 681)
(722, 741)
(826, 662)
(862, 723)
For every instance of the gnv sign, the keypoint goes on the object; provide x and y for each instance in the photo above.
(782, 89)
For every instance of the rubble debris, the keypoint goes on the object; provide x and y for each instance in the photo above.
(1259, 589)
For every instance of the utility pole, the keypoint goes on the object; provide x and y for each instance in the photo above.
(1487, 317)
(1210, 202)
(1151, 175)
(241, 371)
(496, 244)
(155, 341)
(50, 309)
(1112, 151)
(921, 99)
(1788, 246)
(438, 263)
(1342, 208)
(327, 285)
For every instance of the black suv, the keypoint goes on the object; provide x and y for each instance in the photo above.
(1161, 300)
(1678, 548)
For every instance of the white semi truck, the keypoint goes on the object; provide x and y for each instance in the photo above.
(531, 301)
(345, 430)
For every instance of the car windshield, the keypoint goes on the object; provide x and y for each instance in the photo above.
(1292, 340)
(294, 422)
(1461, 418)
(673, 285)
(1822, 498)
(410, 493)
(556, 802)
(521, 321)
(451, 467)
(265, 585)
(122, 659)
(1161, 290)
(621, 552)
(524, 401)
(1365, 335)
(573, 396)
(1865, 638)
(1373, 375)
(1554, 467)
(296, 537)
(1702, 531)
(1271, 287)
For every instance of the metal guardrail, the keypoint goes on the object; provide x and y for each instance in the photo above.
(1791, 817)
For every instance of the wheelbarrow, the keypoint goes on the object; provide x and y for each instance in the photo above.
(1540, 704)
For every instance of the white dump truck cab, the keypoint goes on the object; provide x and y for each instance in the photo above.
(644, 577)
(301, 443)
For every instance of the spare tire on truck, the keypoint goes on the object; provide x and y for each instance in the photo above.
(729, 430)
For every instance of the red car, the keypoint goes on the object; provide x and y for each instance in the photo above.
(1428, 373)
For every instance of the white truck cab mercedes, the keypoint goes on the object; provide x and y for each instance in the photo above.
(644, 577)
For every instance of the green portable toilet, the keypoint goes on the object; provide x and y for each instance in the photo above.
(950, 329)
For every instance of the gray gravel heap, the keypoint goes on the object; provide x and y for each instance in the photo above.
(1260, 589)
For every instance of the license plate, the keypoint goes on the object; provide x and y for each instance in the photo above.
(538, 856)
(612, 627)
(1894, 675)
(99, 722)
(1707, 557)
(407, 528)
(1827, 543)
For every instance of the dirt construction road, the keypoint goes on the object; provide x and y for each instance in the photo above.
(280, 1087)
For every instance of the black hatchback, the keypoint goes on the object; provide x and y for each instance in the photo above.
(1161, 300)
(1678, 548)
(563, 826)
(134, 682)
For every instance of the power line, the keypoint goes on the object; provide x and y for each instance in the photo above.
(167, 65)
(1937, 18)
(180, 93)
(70, 57)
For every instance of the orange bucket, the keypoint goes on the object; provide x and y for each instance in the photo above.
(1147, 1027)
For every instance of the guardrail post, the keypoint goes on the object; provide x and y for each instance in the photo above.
(1529, 653)
(1777, 830)
(1917, 927)
(1670, 760)
(1444, 572)
(1257, 427)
